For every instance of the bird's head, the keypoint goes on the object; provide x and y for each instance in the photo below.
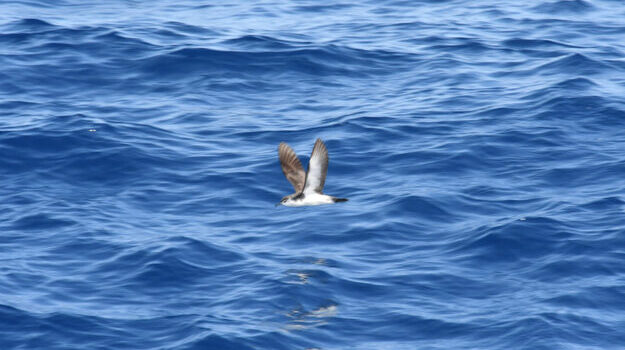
(284, 201)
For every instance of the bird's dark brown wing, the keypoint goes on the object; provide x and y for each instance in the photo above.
(291, 167)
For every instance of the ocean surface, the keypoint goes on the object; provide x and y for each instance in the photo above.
(481, 145)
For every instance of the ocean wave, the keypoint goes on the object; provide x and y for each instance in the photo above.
(563, 7)
(480, 148)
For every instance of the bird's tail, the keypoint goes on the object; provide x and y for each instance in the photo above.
(339, 199)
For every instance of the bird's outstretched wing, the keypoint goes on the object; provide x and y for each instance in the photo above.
(291, 167)
(317, 168)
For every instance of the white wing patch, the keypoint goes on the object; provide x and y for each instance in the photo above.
(317, 169)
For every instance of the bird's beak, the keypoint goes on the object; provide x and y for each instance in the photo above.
(277, 204)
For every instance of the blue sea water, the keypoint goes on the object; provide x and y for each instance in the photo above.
(481, 145)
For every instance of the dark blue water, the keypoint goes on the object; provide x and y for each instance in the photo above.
(481, 145)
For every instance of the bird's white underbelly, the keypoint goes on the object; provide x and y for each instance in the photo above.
(311, 199)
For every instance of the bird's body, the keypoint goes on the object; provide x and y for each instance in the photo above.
(309, 185)
(310, 199)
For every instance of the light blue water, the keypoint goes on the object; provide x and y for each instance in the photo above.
(480, 143)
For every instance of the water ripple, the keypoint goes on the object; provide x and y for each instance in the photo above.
(480, 147)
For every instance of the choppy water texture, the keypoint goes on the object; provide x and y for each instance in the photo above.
(481, 144)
